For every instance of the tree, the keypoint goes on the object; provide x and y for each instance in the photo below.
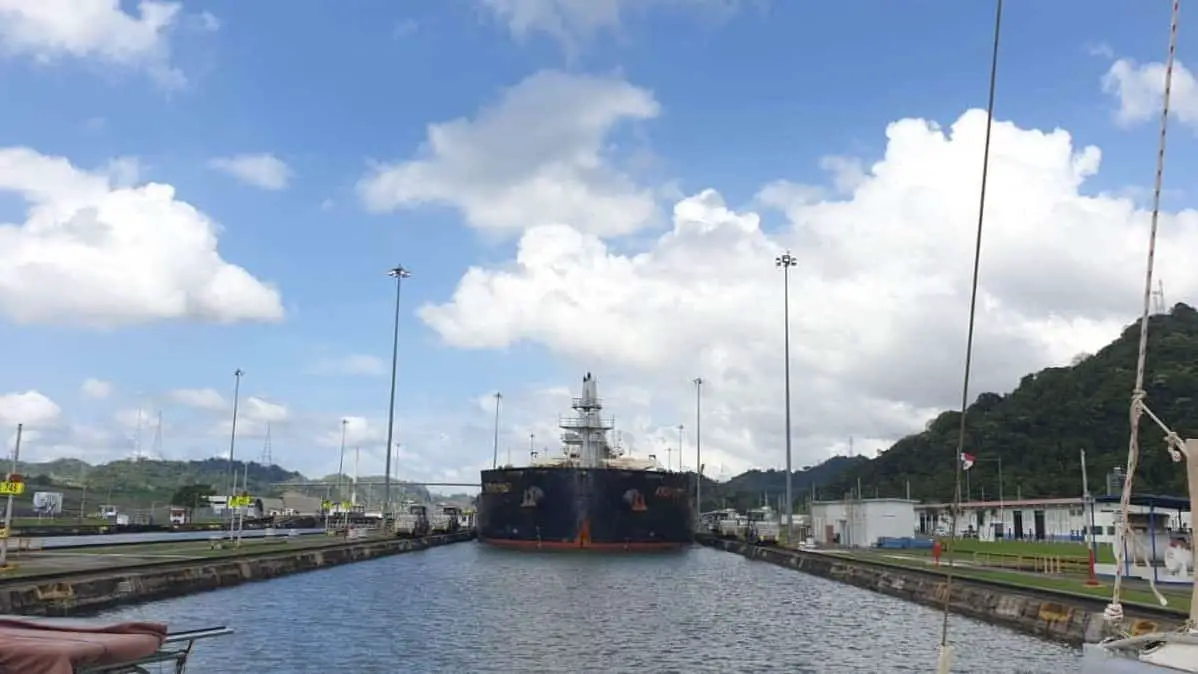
(190, 496)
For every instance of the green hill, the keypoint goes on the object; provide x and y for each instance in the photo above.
(748, 489)
(150, 477)
(1038, 429)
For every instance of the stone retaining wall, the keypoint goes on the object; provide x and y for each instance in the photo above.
(1052, 618)
(95, 590)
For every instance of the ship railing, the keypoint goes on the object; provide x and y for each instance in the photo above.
(581, 423)
(175, 649)
(583, 403)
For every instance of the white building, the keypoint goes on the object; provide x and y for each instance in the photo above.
(1050, 519)
(861, 522)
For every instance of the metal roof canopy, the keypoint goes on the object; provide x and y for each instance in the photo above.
(1151, 501)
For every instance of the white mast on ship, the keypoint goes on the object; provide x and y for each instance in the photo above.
(588, 430)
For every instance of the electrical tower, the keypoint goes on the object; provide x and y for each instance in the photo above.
(267, 459)
(137, 456)
(156, 450)
(1158, 297)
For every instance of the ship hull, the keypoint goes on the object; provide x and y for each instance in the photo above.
(613, 509)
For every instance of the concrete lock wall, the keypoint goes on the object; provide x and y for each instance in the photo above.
(97, 590)
(1054, 617)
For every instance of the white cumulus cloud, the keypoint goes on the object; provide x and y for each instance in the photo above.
(1139, 88)
(96, 388)
(99, 29)
(31, 408)
(94, 253)
(265, 170)
(535, 157)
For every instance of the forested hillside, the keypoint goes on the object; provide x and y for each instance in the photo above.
(1038, 429)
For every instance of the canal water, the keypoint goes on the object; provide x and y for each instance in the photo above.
(468, 608)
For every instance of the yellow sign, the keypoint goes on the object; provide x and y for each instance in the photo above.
(240, 501)
(12, 488)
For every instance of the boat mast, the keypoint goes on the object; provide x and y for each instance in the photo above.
(588, 429)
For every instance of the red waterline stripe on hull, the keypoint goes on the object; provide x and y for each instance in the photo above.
(575, 545)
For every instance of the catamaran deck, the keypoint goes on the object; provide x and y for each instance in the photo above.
(75, 646)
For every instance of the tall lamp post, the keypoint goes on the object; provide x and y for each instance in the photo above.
(399, 273)
(698, 382)
(680, 427)
(341, 463)
(495, 447)
(785, 261)
(237, 374)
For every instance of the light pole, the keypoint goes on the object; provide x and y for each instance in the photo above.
(680, 427)
(495, 448)
(532, 450)
(785, 261)
(237, 374)
(698, 381)
(341, 462)
(399, 273)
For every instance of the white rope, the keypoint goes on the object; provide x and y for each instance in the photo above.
(1114, 611)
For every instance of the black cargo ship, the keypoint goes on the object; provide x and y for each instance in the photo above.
(590, 497)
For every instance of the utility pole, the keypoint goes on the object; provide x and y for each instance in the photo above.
(495, 447)
(341, 464)
(698, 382)
(532, 449)
(16, 456)
(237, 374)
(785, 261)
(399, 273)
(680, 427)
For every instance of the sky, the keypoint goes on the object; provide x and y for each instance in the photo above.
(576, 186)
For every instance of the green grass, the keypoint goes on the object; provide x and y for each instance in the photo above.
(1078, 551)
(1179, 598)
(61, 522)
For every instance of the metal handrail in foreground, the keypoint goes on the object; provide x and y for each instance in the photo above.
(176, 648)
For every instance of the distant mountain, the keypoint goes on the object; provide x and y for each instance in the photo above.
(150, 476)
(750, 488)
(1037, 430)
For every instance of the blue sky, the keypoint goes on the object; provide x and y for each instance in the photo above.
(743, 94)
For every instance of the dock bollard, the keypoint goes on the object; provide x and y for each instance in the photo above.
(1092, 581)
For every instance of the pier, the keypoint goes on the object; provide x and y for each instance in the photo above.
(1069, 617)
(71, 581)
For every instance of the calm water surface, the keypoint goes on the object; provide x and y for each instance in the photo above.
(469, 608)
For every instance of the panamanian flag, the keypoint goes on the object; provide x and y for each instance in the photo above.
(967, 461)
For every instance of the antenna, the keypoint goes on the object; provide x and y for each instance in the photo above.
(267, 459)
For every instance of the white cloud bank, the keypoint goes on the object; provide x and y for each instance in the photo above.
(100, 30)
(97, 251)
(878, 300)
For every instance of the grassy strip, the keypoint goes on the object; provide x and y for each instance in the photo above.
(1178, 601)
(1077, 551)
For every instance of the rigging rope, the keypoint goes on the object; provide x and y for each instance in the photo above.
(945, 651)
(1114, 611)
